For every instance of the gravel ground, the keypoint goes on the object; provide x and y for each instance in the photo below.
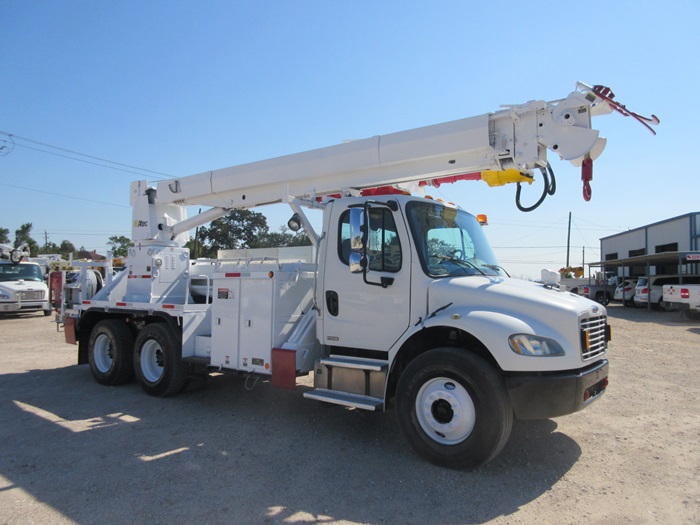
(232, 451)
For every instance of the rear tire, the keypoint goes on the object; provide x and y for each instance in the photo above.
(110, 352)
(602, 298)
(665, 306)
(158, 361)
(453, 408)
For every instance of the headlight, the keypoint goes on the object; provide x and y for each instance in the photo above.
(533, 346)
(4, 295)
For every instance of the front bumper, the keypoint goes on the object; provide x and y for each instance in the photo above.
(29, 306)
(555, 394)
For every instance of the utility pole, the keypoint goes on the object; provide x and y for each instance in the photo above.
(568, 241)
(46, 238)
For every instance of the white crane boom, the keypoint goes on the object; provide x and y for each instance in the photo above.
(499, 147)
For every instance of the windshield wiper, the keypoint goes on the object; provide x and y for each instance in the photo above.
(496, 267)
(460, 262)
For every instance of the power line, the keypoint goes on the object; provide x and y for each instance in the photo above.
(62, 195)
(506, 247)
(13, 137)
(58, 233)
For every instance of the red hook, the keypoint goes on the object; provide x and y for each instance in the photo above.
(586, 177)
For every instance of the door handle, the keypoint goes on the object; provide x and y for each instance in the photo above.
(332, 302)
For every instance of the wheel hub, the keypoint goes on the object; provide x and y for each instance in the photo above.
(103, 354)
(442, 411)
(152, 361)
(445, 411)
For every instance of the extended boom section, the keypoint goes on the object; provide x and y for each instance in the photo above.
(515, 138)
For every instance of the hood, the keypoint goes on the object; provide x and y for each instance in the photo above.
(521, 299)
(22, 286)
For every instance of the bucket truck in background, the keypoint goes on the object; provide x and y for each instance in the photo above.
(22, 286)
(398, 300)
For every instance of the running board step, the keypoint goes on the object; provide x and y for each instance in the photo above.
(356, 363)
(345, 399)
(197, 360)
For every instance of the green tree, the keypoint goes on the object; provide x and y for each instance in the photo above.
(23, 234)
(49, 247)
(66, 249)
(119, 245)
(237, 229)
(241, 229)
(283, 237)
(4, 236)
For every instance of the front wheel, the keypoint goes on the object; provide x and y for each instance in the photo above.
(158, 361)
(453, 408)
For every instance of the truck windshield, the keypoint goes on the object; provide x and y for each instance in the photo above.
(449, 241)
(15, 272)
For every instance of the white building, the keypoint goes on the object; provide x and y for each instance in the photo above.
(671, 246)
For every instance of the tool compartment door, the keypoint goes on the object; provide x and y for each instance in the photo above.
(255, 332)
(225, 324)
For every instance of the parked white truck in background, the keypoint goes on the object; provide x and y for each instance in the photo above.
(22, 286)
(600, 288)
(400, 297)
(685, 297)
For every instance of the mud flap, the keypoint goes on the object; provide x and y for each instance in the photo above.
(284, 373)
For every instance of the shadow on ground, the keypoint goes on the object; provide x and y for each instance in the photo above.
(226, 454)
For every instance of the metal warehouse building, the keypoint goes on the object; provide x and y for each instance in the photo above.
(670, 247)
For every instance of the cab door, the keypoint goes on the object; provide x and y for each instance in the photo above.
(367, 315)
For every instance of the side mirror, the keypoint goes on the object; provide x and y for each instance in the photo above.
(358, 263)
(358, 229)
(358, 240)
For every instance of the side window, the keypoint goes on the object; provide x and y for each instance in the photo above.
(384, 249)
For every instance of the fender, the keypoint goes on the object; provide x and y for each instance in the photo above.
(492, 329)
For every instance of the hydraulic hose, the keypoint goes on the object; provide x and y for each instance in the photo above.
(550, 188)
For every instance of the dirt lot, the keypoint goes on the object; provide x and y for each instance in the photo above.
(233, 452)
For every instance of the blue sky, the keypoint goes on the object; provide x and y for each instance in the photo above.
(183, 87)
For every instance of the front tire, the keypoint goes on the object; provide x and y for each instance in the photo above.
(453, 408)
(158, 361)
(110, 352)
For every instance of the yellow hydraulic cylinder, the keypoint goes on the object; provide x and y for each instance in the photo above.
(501, 178)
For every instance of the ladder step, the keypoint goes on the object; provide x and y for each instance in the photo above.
(356, 363)
(345, 399)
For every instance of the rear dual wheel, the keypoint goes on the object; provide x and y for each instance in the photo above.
(158, 361)
(453, 408)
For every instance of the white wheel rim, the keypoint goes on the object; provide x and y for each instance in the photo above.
(445, 411)
(102, 353)
(151, 361)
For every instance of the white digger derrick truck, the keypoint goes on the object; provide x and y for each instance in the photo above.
(399, 299)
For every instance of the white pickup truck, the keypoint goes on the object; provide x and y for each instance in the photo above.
(684, 297)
